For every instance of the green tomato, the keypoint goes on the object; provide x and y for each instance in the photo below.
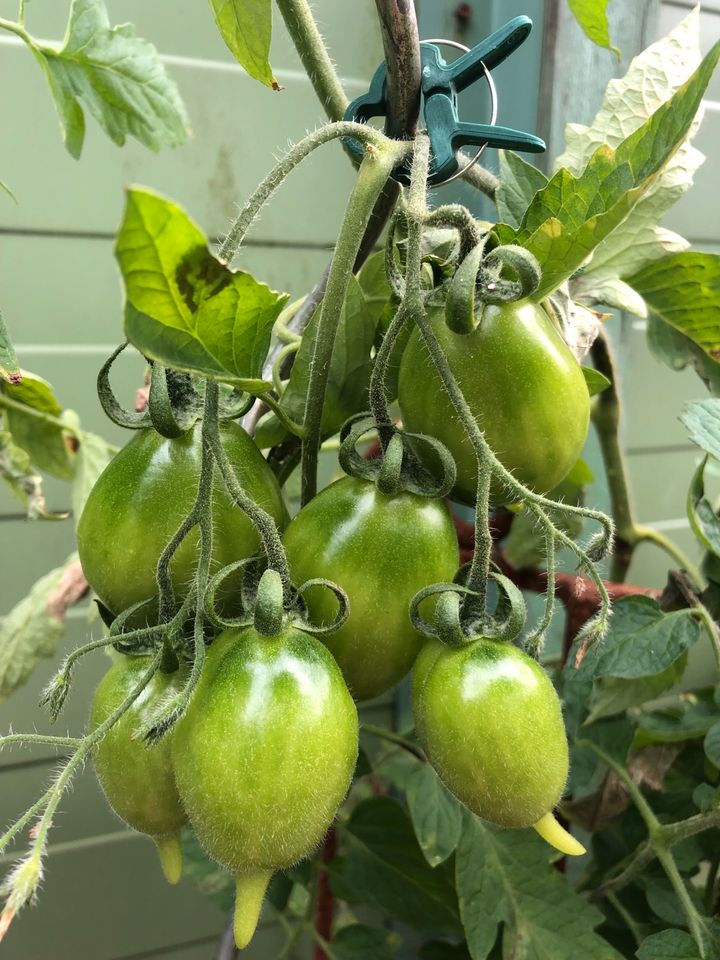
(264, 756)
(523, 385)
(140, 500)
(137, 780)
(381, 550)
(491, 725)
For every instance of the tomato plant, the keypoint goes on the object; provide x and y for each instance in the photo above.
(373, 546)
(544, 688)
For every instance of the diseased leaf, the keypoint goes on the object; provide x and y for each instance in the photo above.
(45, 442)
(668, 945)
(93, 456)
(704, 522)
(642, 641)
(702, 420)
(360, 942)
(519, 182)
(117, 76)
(592, 17)
(184, 308)
(684, 290)
(30, 631)
(385, 868)
(350, 366)
(246, 28)
(572, 215)
(9, 369)
(505, 877)
(16, 470)
(436, 815)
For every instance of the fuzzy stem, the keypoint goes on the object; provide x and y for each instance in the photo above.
(383, 734)
(375, 169)
(313, 53)
(297, 153)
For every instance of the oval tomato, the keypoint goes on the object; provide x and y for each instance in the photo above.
(137, 780)
(381, 550)
(491, 725)
(264, 756)
(140, 500)
(523, 385)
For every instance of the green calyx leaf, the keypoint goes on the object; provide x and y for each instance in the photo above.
(246, 28)
(569, 217)
(596, 381)
(117, 76)
(184, 308)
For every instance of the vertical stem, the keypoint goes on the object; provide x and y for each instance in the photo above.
(374, 172)
(312, 51)
(401, 44)
(695, 922)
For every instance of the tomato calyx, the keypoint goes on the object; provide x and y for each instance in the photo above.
(399, 466)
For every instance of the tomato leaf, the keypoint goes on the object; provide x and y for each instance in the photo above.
(385, 867)
(438, 950)
(246, 28)
(668, 945)
(505, 877)
(209, 877)
(360, 942)
(592, 17)
(681, 721)
(519, 182)
(29, 632)
(677, 351)
(573, 214)
(653, 76)
(436, 815)
(704, 521)
(184, 308)
(9, 369)
(117, 76)
(684, 290)
(612, 695)
(17, 471)
(711, 744)
(596, 381)
(702, 421)
(45, 442)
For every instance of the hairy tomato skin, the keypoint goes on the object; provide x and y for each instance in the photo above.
(491, 724)
(264, 756)
(522, 383)
(381, 550)
(140, 500)
(138, 781)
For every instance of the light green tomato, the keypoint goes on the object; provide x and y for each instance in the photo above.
(491, 725)
(381, 550)
(264, 756)
(137, 780)
(523, 385)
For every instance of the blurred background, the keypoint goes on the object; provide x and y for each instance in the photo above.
(104, 897)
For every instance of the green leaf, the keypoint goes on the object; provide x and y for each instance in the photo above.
(9, 369)
(642, 641)
(572, 215)
(44, 442)
(505, 877)
(612, 695)
(374, 284)
(360, 942)
(16, 470)
(385, 867)
(93, 456)
(702, 420)
(350, 366)
(519, 182)
(677, 351)
(117, 76)
(651, 79)
(436, 815)
(684, 290)
(668, 945)
(30, 631)
(210, 878)
(704, 522)
(184, 308)
(246, 28)
(711, 744)
(684, 721)
(592, 17)
(596, 381)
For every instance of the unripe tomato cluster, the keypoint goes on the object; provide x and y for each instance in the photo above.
(264, 754)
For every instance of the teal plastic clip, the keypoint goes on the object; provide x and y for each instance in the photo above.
(441, 82)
